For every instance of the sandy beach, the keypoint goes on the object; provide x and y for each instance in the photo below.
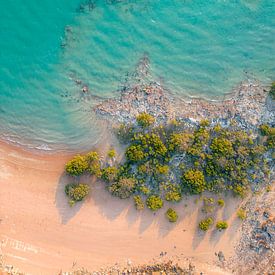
(41, 234)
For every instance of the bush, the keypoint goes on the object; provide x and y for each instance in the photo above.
(135, 153)
(241, 213)
(139, 202)
(77, 166)
(272, 91)
(109, 174)
(145, 120)
(205, 224)
(221, 225)
(92, 159)
(220, 202)
(194, 180)
(123, 188)
(112, 153)
(76, 192)
(162, 169)
(154, 202)
(171, 215)
(174, 196)
(222, 146)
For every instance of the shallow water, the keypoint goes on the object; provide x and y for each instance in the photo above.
(195, 47)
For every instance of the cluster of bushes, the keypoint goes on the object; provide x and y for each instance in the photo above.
(163, 162)
(76, 192)
(205, 224)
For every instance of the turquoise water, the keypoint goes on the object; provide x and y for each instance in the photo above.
(196, 48)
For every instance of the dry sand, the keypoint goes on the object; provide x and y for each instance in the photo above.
(41, 234)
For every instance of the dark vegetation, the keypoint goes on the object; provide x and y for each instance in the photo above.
(164, 162)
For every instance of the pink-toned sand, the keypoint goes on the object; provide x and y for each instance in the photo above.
(41, 234)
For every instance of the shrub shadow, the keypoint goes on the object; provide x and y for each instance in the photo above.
(66, 212)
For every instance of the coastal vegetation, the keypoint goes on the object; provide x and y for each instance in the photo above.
(166, 161)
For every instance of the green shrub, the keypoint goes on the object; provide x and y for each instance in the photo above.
(221, 225)
(123, 188)
(180, 141)
(205, 224)
(174, 196)
(241, 213)
(154, 202)
(139, 204)
(204, 123)
(194, 180)
(77, 166)
(76, 192)
(92, 156)
(144, 190)
(208, 205)
(94, 167)
(272, 91)
(112, 153)
(145, 120)
(135, 153)
(171, 215)
(162, 169)
(220, 202)
(109, 174)
(222, 146)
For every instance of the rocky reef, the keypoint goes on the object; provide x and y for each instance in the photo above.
(249, 103)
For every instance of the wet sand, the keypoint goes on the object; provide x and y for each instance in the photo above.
(41, 234)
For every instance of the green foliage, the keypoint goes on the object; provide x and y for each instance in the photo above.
(204, 123)
(221, 225)
(154, 202)
(208, 205)
(94, 167)
(174, 196)
(145, 190)
(112, 153)
(139, 204)
(222, 146)
(135, 153)
(205, 224)
(194, 180)
(151, 145)
(76, 191)
(180, 141)
(265, 129)
(171, 215)
(220, 202)
(145, 120)
(77, 166)
(162, 169)
(272, 91)
(123, 188)
(109, 174)
(241, 213)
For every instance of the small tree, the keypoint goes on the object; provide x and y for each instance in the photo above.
(241, 213)
(205, 224)
(145, 120)
(171, 215)
(220, 202)
(139, 202)
(77, 166)
(194, 180)
(111, 153)
(109, 174)
(123, 188)
(76, 191)
(154, 202)
(221, 225)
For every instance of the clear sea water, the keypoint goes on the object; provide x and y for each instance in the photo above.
(196, 47)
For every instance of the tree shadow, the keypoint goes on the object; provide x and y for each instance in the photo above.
(109, 206)
(66, 212)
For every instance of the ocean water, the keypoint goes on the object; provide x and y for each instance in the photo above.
(198, 47)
